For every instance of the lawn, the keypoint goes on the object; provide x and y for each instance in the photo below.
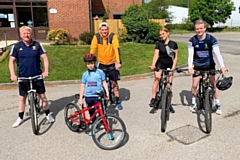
(66, 61)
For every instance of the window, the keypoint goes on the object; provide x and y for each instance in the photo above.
(6, 18)
(40, 17)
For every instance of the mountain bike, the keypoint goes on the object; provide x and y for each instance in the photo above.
(163, 97)
(33, 101)
(108, 130)
(205, 96)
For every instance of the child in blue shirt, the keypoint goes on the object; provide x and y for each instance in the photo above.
(93, 81)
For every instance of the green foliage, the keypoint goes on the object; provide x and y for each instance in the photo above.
(86, 37)
(139, 29)
(122, 36)
(58, 36)
(136, 22)
(157, 9)
(213, 11)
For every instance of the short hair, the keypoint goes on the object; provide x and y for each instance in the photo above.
(25, 28)
(164, 29)
(197, 22)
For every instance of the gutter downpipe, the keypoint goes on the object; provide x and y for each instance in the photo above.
(90, 15)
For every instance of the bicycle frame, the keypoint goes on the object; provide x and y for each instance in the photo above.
(98, 110)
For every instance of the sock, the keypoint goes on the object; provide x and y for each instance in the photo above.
(47, 112)
(217, 102)
(20, 114)
(193, 100)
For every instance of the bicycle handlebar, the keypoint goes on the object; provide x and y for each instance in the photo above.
(24, 79)
(200, 71)
(164, 70)
(108, 69)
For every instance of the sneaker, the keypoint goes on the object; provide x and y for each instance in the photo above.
(119, 106)
(152, 102)
(17, 123)
(218, 111)
(193, 108)
(110, 136)
(171, 109)
(90, 132)
(50, 118)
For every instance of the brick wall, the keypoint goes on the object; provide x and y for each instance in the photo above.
(72, 15)
(99, 6)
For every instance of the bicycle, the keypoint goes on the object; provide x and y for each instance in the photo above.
(205, 96)
(33, 101)
(108, 131)
(110, 90)
(163, 97)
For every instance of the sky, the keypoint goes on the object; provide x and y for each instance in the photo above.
(147, 0)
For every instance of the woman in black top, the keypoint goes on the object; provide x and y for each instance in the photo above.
(165, 56)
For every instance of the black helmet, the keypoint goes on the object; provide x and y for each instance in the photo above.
(223, 83)
(89, 57)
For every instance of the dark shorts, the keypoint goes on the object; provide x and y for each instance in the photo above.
(210, 68)
(113, 74)
(160, 65)
(25, 86)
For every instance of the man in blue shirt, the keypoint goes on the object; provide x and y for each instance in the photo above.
(200, 55)
(27, 54)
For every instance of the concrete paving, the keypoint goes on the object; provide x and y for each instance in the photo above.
(183, 139)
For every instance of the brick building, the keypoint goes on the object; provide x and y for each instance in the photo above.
(43, 15)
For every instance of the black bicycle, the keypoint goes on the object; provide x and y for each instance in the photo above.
(205, 96)
(163, 97)
(110, 89)
(33, 101)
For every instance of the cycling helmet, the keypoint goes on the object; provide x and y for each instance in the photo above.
(89, 57)
(223, 83)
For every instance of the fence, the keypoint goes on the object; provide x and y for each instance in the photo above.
(116, 25)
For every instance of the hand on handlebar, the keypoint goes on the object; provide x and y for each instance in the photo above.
(152, 67)
(191, 70)
(223, 70)
(45, 75)
(117, 66)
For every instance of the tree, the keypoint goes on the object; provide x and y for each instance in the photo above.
(211, 11)
(138, 27)
(157, 9)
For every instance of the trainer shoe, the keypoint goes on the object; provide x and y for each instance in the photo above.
(110, 136)
(218, 111)
(50, 118)
(171, 109)
(17, 123)
(152, 102)
(90, 132)
(193, 108)
(119, 106)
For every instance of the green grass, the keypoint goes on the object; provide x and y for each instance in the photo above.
(66, 61)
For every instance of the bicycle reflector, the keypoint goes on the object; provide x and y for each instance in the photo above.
(223, 83)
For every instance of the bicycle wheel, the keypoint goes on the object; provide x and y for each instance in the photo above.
(208, 110)
(112, 140)
(164, 103)
(33, 113)
(71, 115)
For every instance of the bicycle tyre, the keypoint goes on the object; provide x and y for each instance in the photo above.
(34, 119)
(164, 104)
(208, 111)
(69, 114)
(118, 131)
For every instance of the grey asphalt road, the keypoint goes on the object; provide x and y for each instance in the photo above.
(183, 139)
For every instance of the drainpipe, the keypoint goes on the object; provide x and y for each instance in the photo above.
(90, 15)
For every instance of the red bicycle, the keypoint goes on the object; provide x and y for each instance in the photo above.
(108, 130)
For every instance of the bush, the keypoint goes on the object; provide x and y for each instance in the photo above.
(86, 37)
(122, 36)
(153, 33)
(58, 36)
